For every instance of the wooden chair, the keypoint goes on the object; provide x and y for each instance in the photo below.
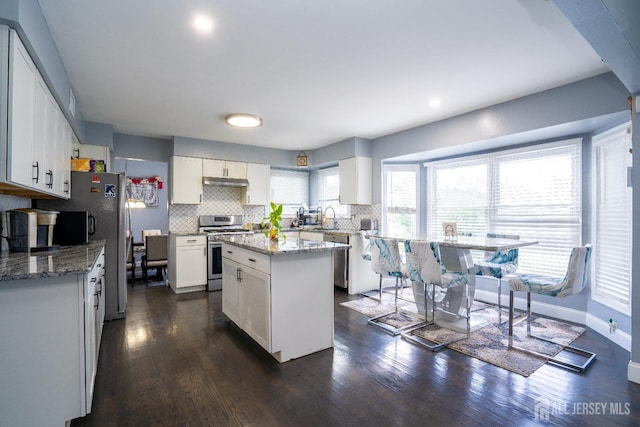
(131, 263)
(155, 255)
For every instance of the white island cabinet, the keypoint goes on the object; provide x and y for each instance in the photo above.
(51, 316)
(280, 294)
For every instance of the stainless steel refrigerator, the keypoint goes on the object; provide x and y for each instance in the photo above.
(103, 196)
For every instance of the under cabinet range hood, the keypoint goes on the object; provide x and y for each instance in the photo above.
(227, 182)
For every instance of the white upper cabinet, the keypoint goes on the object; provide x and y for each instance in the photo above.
(258, 191)
(224, 169)
(95, 152)
(22, 106)
(186, 180)
(38, 145)
(355, 181)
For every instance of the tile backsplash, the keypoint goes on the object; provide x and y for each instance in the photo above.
(226, 200)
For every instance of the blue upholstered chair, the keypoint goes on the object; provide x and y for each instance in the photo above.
(499, 264)
(574, 281)
(424, 266)
(386, 262)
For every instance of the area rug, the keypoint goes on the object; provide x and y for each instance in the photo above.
(490, 343)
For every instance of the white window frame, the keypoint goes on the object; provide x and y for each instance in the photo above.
(612, 242)
(401, 168)
(342, 211)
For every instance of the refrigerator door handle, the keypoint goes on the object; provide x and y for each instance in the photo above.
(92, 225)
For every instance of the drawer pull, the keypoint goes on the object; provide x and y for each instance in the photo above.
(252, 260)
(229, 252)
(191, 240)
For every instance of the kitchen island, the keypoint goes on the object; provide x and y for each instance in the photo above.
(280, 293)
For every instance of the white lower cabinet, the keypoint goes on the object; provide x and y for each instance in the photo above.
(50, 330)
(187, 262)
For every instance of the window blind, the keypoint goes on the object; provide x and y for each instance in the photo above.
(400, 201)
(289, 188)
(611, 260)
(533, 192)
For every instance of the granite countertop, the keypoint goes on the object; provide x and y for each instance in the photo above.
(65, 260)
(260, 243)
(336, 231)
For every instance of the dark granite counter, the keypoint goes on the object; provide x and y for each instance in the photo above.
(66, 260)
(261, 244)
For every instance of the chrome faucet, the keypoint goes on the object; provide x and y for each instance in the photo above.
(335, 222)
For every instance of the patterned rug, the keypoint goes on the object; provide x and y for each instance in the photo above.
(490, 343)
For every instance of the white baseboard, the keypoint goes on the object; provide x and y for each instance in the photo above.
(633, 372)
(601, 326)
(620, 338)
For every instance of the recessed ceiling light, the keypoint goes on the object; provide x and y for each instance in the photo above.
(242, 120)
(202, 24)
(435, 102)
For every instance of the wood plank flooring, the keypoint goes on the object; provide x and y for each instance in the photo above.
(177, 361)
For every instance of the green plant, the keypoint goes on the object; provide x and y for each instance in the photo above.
(273, 226)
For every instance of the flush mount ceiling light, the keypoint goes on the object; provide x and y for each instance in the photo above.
(242, 120)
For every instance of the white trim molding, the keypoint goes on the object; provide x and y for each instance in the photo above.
(633, 372)
(601, 326)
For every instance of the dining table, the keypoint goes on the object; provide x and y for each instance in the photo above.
(455, 254)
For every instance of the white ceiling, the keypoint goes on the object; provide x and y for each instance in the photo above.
(318, 72)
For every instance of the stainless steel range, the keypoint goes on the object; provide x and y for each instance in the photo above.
(214, 226)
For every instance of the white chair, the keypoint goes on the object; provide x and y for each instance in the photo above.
(386, 262)
(574, 281)
(424, 266)
(498, 265)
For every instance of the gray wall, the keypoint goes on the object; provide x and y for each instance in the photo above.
(568, 110)
(27, 19)
(150, 217)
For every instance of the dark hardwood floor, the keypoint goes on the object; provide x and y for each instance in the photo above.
(177, 361)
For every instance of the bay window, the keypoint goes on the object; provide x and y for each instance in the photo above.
(400, 200)
(533, 192)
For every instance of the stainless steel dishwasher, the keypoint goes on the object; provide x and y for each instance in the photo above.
(340, 259)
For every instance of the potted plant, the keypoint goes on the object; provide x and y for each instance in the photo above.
(272, 227)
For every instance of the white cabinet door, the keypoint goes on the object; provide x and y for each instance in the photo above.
(224, 169)
(355, 181)
(256, 299)
(258, 191)
(191, 266)
(186, 180)
(22, 75)
(231, 291)
(236, 169)
(213, 168)
(62, 182)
